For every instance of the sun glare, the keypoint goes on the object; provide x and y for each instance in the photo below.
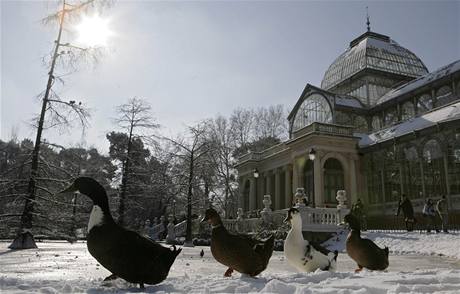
(93, 31)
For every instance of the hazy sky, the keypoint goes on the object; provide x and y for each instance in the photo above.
(194, 60)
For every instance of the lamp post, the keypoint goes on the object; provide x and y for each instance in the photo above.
(256, 176)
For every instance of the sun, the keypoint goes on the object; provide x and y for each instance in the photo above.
(93, 31)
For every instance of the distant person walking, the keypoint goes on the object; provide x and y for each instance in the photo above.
(405, 206)
(442, 209)
(430, 213)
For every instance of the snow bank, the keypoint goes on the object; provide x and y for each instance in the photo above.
(415, 267)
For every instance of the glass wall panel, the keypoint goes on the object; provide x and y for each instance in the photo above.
(391, 117)
(374, 181)
(376, 123)
(343, 118)
(360, 124)
(453, 166)
(412, 176)
(424, 104)
(433, 165)
(392, 177)
(314, 108)
(407, 110)
(444, 95)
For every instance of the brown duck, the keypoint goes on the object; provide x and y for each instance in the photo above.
(365, 252)
(241, 253)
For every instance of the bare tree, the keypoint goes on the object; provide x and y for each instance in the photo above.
(60, 112)
(271, 122)
(190, 151)
(242, 121)
(136, 119)
(219, 133)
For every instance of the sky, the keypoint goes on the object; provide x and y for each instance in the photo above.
(196, 60)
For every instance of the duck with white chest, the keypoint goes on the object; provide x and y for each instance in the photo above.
(302, 254)
(124, 253)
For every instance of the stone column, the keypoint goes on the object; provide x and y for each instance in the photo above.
(288, 186)
(318, 174)
(252, 194)
(277, 204)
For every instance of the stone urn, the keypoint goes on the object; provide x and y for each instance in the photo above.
(267, 202)
(239, 214)
(300, 197)
(341, 199)
(171, 236)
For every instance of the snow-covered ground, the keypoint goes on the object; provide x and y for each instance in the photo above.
(419, 263)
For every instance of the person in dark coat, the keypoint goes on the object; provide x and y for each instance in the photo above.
(406, 206)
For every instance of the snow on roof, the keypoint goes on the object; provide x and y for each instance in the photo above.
(348, 101)
(450, 112)
(421, 81)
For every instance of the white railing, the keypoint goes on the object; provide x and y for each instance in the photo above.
(313, 220)
(321, 219)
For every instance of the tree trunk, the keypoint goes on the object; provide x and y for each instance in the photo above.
(25, 239)
(188, 233)
(124, 180)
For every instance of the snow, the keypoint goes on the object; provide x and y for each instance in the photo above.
(419, 263)
(348, 101)
(450, 112)
(421, 81)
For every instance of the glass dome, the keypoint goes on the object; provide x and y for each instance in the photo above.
(375, 51)
(315, 108)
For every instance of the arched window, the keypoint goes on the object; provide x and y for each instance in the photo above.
(391, 116)
(424, 103)
(433, 168)
(376, 123)
(333, 180)
(361, 124)
(314, 108)
(407, 110)
(444, 95)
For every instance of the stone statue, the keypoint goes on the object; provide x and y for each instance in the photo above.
(171, 236)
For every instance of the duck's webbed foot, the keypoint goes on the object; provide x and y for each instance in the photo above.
(110, 278)
(360, 268)
(229, 272)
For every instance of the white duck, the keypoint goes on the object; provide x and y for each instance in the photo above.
(303, 255)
